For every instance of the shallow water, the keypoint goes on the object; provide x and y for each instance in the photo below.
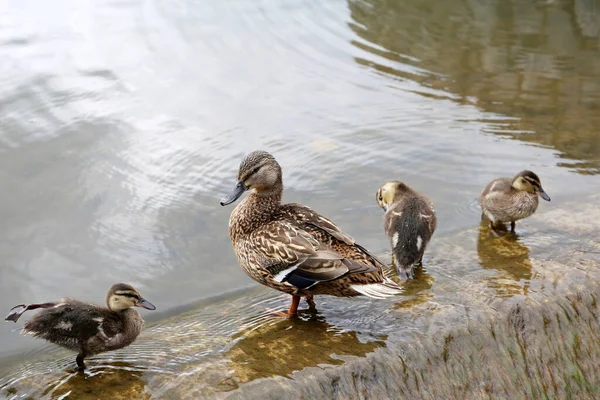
(123, 123)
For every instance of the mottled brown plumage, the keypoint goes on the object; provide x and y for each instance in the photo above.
(409, 222)
(290, 247)
(511, 199)
(87, 328)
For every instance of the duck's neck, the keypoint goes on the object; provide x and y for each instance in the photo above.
(524, 196)
(253, 211)
(132, 322)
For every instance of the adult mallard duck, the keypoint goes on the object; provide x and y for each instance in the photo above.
(511, 199)
(409, 222)
(290, 247)
(87, 328)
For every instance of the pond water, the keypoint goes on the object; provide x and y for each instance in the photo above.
(122, 124)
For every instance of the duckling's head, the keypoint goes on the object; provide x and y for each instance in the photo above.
(260, 172)
(529, 182)
(390, 193)
(122, 296)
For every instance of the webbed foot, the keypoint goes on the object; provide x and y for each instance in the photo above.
(16, 312)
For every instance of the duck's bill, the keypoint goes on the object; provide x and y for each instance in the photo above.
(234, 195)
(543, 195)
(145, 304)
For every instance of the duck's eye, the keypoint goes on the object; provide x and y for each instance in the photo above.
(255, 170)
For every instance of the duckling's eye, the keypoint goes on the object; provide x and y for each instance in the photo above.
(380, 198)
(130, 295)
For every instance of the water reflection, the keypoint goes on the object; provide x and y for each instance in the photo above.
(286, 346)
(60, 380)
(536, 62)
(117, 381)
(507, 255)
(418, 289)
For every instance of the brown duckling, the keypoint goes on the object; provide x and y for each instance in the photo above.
(87, 328)
(409, 222)
(291, 248)
(511, 199)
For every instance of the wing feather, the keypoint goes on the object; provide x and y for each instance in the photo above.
(293, 255)
(306, 215)
(72, 320)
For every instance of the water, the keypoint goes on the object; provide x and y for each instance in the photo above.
(122, 124)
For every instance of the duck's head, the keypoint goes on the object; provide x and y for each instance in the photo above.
(389, 193)
(122, 296)
(529, 182)
(260, 172)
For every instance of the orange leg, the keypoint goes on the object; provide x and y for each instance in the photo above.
(293, 310)
(294, 307)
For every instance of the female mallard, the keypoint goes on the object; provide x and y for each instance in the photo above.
(87, 328)
(291, 248)
(409, 222)
(509, 200)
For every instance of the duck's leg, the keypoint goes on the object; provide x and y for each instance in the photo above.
(292, 312)
(79, 360)
(311, 302)
(294, 307)
(16, 312)
(513, 224)
(493, 229)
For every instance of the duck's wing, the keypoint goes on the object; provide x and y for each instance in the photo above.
(497, 187)
(321, 226)
(290, 254)
(306, 215)
(496, 196)
(73, 321)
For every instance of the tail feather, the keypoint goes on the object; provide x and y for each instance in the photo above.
(382, 290)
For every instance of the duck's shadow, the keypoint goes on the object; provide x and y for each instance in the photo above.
(416, 290)
(117, 380)
(284, 345)
(509, 256)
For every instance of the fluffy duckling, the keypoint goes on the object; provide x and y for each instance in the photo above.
(87, 328)
(409, 222)
(511, 199)
(291, 248)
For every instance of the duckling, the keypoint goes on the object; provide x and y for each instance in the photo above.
(409, 222)
(87, 328)
(511, 199)
(293, 249)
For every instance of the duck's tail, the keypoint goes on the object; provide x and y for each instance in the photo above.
(387, 288)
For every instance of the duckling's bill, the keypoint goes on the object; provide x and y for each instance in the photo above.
(235, 194)
(143, 303)
(543, 195)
